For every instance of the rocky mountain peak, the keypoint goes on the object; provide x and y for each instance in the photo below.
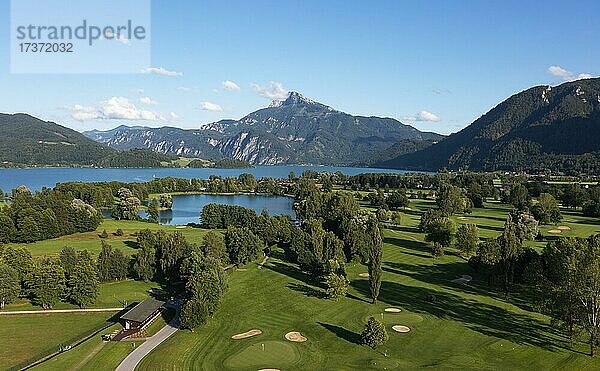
(296, 98)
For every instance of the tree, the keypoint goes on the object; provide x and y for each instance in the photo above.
(502, 255)
(213, 246)
(48, 225)
(440, 231)
(559, 283)
(104, 234)
(546, 210)
(127, 206)
(592, 206)
(336, 280)
(451, 200)
(47, 283)
(378, 199)
(396, 218)
(166, 201)
(397, 200)
(9, 285)
(467, 239)
(83, 284)
(152, 211)
(68, 260)
(112, 263)
(525, 226)
(194, 313)
(171, 249)
(383, 215)
(588, 288)
(519, 197)
(374, 333)
(242, 245)
(20, 260)
(7, 229)
(319, 246)
(206, 284)
(375, 258)
(428, 217)
(28, 230)
(573, 196)
(206, 281)
(144, 263)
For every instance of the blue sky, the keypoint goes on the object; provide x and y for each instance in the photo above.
(416, 61)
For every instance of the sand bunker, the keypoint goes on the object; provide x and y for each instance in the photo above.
(363, 274)
(400, 328)
(181, 227)
(461, 218)
(555, 231)
(392, 310)
(295, 336)
(464, 279)
(247, 334)
(269, 369)
(564, 228)
(241, 270)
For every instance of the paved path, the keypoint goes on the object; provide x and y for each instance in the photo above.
(135, 357)
(51, 311)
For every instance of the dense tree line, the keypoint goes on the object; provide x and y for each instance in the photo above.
(73, 277)
(44, 215)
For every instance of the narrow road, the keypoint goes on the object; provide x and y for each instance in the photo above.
(135, 357)
(51, 311)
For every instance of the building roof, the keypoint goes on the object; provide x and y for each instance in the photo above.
(143, 310)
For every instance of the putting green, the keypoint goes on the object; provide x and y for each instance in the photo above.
(276, 354)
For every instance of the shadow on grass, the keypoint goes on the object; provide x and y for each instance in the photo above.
(132, 244)
(491, 228)
(308, 291)
(403, 229)
(342, 333)
(420, 249)
(484, 318)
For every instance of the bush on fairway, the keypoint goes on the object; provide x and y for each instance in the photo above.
(374, 333)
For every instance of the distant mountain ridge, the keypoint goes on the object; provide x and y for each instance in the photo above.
(543, 127)
(297, 130)
(26, 140)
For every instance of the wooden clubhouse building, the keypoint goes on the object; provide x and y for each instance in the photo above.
(139, 317)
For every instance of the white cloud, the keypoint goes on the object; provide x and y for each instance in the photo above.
(423, 116)
(83, 113)
(140, 91)
(184, 88)
(161, 71)
(116, 108)
(147, 100)
(208, 106)
(174, 116)
(566, 75)
(231, 86)
(273, 90)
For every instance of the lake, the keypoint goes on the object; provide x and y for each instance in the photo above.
(36, 178)
(186, 208)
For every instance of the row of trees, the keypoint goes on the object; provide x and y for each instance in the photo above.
(102, 194)
(44, 215)
(73, 278)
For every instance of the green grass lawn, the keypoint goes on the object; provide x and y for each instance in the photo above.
(93, 354)
(91, 240)
(26, 336)
(112, 295)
